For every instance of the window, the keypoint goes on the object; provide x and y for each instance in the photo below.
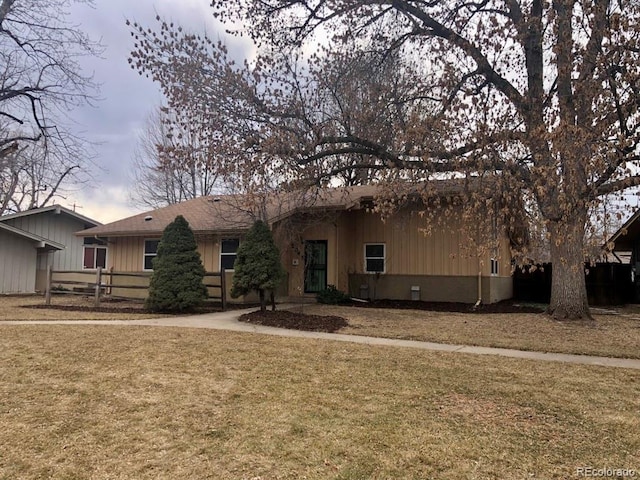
(494, 266)
(150, 252)
(228, 252)
(94, 254)
(374, 261)
(94, 257)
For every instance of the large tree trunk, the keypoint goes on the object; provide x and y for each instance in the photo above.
(568, 288)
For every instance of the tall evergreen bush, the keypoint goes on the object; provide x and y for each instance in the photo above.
(176, 284)
(258, 267)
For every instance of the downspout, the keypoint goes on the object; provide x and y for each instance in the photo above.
(479, 300)
(337, 257)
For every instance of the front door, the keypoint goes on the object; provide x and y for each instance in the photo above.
(315, 265)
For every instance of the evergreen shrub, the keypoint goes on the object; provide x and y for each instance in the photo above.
(176, 283)
(258, 266)
(332, 296)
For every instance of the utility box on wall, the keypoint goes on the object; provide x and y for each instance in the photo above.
(415, 292)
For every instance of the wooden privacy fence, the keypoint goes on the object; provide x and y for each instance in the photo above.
(607, 284)
(104, 283)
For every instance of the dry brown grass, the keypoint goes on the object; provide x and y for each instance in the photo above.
(13, 308)
(610, 335)
(95, 402)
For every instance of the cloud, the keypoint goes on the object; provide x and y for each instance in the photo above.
(114, 123)
(103, 204)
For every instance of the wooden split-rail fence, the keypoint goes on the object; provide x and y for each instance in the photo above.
(106, 281)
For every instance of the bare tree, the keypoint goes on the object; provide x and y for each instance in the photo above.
(31, 179)
(171, 163)
(526, 97)
(40, 82)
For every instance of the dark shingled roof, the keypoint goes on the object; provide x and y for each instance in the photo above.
(231, 213)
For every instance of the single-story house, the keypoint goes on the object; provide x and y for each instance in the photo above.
(32, 240)
(624, 244)
(333, 238)
(624, 249)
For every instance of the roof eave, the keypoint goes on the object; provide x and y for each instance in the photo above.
(623, 229)
(57, 209)
(41, 242)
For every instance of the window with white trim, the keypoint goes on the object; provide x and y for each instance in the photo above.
(94, 254)
(228, 252)
(150, 252)
(494, 266)
(374, 258)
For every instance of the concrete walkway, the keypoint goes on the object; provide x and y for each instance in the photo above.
(229, 321)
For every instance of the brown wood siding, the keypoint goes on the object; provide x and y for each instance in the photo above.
(209, 249)
(409, 251)
(126, 254)
(292, 252)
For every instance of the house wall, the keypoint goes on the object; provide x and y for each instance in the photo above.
(83, 276)
(292, 253)
(431, 288)
(17, 264)
(410, 251)
(501, 289)
(141, 281)
(126, 255)
(59, 228)
(67, 280)
(438, 262)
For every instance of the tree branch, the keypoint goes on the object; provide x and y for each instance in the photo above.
(437, 29)
(617, 186)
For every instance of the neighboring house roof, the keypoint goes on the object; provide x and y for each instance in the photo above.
(627, 235)
(233, 213)
(41, 242)
(58, 209)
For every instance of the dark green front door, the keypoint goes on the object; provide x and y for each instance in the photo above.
(315, 266)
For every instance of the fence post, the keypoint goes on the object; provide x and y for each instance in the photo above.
(108, 290)
(98, 286)
(47, 291)
(223, 289)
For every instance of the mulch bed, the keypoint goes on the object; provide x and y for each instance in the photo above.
(295, 321)
(507, 306)
(115, 306)
(87, 308)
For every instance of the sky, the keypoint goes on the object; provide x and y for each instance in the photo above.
(114, 123)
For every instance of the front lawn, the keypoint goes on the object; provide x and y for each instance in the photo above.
(146, 403)
(609, 335)
(68, 307)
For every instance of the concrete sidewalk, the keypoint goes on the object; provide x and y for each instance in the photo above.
(229, 321)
